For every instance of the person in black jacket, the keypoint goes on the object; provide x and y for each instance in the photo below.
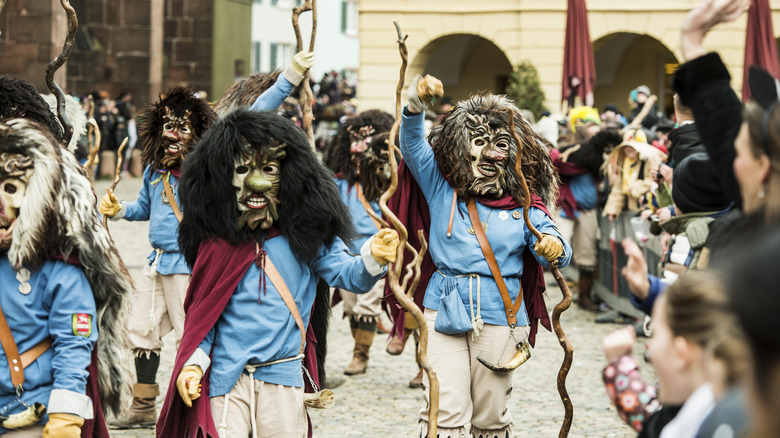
(684, 140)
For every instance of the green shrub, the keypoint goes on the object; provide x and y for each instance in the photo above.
(524, 88)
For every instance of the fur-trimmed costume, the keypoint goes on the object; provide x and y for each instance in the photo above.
(61, 278)
(358, 155)
(469, 392)
(231, 299)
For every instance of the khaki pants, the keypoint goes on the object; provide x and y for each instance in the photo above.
(278, 410)
(367, 304)
(158, 301)
(582, 233)
(28, 432)
(468, 391)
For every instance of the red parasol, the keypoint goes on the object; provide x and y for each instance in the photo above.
(760, 47)
(579, 68)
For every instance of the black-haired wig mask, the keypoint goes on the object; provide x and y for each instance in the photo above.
(257, 180)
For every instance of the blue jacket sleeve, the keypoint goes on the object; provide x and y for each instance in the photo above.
(545, 225)
(72, 327)
(140, 209)
(418, 154)
(657, 287)
(273, 97)
(341, 269)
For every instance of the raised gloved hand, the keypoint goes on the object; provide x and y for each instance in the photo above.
(301, 62)
(63, 426)
(550, 247)
(188, 383)
(384, 246)
(109, 205)
(422, 93)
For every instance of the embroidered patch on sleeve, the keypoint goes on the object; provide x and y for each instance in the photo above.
(82, 324)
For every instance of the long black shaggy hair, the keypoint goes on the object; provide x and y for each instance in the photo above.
(19, 99)
(178, 100)
(245, 92)
(593, 153)
(310, 211)
(338, 157)
(374, 165)
(451, 138)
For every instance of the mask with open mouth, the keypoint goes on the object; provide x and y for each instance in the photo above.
(15, 172)
(257, 181)
(177, 137)
(489, 148)
(374, 172)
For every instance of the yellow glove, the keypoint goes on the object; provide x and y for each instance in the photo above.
(188, 383)
(302, 61)
(423, 92)
(550, 247)
(63, 426)
(109, 205)
(384, 246)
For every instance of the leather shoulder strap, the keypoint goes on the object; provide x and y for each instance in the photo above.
(510, 308)
(366, 205)
(11, 352)
(281, 287)
(171, 198)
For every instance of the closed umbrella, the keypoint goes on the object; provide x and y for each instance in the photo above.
(760, 47)
(579, 68)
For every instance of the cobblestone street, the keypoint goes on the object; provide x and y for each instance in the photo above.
(379, 403)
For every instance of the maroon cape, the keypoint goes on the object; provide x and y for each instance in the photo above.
(409, 204)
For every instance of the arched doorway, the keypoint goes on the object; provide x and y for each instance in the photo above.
(465, 64)
(627, 60)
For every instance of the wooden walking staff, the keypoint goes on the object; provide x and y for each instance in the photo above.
(93, 141)
(306, 97)
(117, 177)
(404, 287)
(73, 25)
(568, 349)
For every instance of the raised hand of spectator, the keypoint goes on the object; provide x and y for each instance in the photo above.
(635, 272)
(699, 21)
(619, 343)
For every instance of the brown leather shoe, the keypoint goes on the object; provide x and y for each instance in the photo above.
(359, 360)
(143, 412)
(417, 381)
(396, 345)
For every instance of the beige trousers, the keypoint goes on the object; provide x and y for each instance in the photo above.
(28, 432)
(278, 410)
(158, 303)
(468, 391)
(582, 233)
(367, 304)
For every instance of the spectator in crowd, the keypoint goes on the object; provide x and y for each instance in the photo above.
(684, 140)
(642, 94)
(612, 115)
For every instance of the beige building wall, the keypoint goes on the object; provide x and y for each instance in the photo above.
(533, 30)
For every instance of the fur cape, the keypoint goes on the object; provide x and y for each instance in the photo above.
(76, 115)
(245, 92)
(592, 154)
(58, 218)
(450, 141)
(178, 100)
(19, 99)
(338, 157)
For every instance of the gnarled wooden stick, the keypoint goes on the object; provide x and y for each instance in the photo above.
(403, 295)
(73, 25)
(93, 132)
(117, 177)
(306, 97)
(568, 349)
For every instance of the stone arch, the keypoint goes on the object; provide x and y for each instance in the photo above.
(466, 63)
(625, 60)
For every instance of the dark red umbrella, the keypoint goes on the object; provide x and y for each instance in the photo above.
(760, 47)
(579, 68)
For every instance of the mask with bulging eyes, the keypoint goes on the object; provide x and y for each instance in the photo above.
(15, 173)
(489, 148)
(178, 136)
(257, 180)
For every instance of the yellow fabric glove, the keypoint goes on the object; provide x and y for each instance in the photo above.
(384, 246)
(550, 247)
(302, 61)
(109, 205)
(188, 383)
(423, 92)
(63, 426)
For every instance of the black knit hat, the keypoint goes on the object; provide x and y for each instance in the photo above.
(695, 187)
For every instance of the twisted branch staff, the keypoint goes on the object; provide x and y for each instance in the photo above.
(568, 349)
(306, 97)
(73, 25)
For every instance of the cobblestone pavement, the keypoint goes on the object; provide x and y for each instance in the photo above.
(379, 403)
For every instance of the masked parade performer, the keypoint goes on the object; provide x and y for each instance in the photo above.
(467, 175)
(264, 224)
(170, 129)
(63, 292)
(362, 175)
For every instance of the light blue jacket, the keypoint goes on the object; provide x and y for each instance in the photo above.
(459, 256)
(364, 226)
(60, 305)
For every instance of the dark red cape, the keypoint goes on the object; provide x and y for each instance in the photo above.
(409, 204)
